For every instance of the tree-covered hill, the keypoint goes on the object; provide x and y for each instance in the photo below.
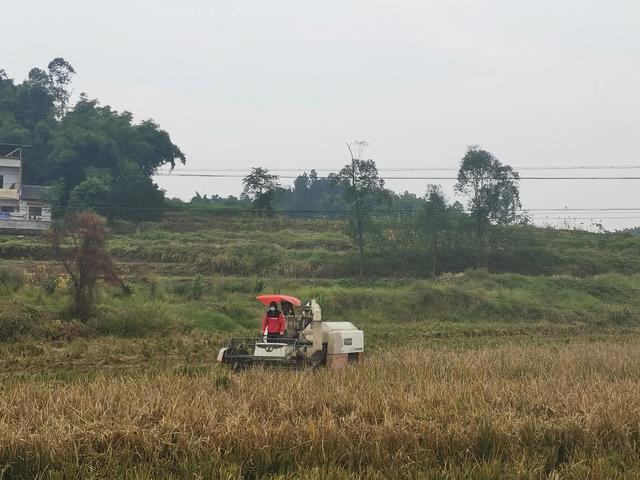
(90, 155)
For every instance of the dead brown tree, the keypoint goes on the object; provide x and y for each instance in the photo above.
(79, 243)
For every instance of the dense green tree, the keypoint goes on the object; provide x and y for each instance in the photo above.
(95, 156)
(405, 203)
(11, 131)
(92, 193)
(261, 188)
(217, 200)
(136, 197)
(91, 137)
(312, 195)
(39, 76)
(435, 220)
(492, 192)
(59, 83)
(363, 190)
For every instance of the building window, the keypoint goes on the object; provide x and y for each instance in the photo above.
(35, 213)
(1, 181)
(7, 209)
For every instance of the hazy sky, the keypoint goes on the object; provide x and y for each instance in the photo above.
(285, 83)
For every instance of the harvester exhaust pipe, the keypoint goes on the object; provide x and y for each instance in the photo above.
(316, 326)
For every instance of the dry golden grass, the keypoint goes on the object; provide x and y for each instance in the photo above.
(512, 411)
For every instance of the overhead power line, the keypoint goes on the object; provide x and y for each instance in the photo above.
(419, 169)
(539, 212)
(196, 173)
(221, 175)
(246, 170)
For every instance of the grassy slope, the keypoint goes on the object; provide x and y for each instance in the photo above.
(320, 248)
(469, 308)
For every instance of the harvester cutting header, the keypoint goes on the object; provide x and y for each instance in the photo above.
(295, 340)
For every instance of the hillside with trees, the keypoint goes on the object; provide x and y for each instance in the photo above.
(90, 155)
(344, 223)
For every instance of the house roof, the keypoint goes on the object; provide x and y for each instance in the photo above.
(10, 150)
(33, 192)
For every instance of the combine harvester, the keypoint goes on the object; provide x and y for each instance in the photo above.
(307, 342)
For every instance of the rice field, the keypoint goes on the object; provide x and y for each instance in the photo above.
(511, 411)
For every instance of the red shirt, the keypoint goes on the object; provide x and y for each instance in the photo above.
(274, 324)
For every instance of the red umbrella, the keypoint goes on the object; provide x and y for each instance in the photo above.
(267, 299)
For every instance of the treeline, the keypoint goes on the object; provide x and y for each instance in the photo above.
(95, 158)
(89, 155)
(357, 193)
(309, 196)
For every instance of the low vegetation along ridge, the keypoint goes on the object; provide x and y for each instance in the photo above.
(320, 248)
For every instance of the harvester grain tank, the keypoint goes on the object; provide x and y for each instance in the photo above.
(308, 341)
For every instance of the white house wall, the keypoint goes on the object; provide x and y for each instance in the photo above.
(9, 203)
(46, 211)
(15, 224)
(46, 214)
(19, 219)
(10, 162)
(11, 175)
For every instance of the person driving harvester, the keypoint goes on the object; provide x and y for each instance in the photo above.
(273, 322)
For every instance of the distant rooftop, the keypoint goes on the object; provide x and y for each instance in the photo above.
(9, 150)
(33, 192)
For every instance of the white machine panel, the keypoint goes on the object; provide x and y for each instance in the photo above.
(273, 349)
(345, 341)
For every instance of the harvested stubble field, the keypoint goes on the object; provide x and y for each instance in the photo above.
(511, 411)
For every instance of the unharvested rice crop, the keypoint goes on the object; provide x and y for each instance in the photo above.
(569, 411)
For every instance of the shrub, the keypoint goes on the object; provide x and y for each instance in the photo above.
(619, 314)
(197, 287)
(50, 284)
(239, 286)
(154, 287)
(259, 286)
(122, 227)
(58, 330)
(132, 319)
(127, 288)
(11, 279)
(16, 319)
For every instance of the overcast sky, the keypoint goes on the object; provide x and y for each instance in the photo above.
(285, 83)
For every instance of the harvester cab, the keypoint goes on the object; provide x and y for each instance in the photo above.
(308, 341)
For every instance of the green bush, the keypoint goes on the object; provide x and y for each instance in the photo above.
(59, 330)
(619, 314)
(190, 289)
(17, 319)
(11, 279)
(50, 284)
(122, 227)
(127, 288)
(259, 287)
(132, 319)
(239, 286)
(196, 287)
